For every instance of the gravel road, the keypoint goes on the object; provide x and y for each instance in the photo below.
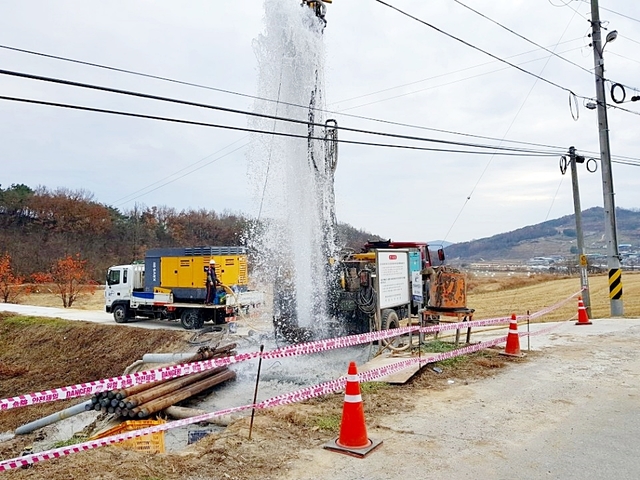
(571, 412)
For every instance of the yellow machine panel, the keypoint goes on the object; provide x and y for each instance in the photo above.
(189, 272)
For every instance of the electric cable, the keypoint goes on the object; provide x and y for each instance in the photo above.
(464, 42)
(523, 37)
(535, 82)
(450, 73)
(237, 111)
(513, 152)
(628, 38)
(622, 56)
(442, 84)
(188, 167)
(131, 72)
(119, 202)
(568, 4)
(266, 175)
(553, 200)
(618, 13)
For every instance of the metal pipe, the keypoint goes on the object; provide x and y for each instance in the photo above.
(61, 415)
(168, 400)
(127, 392)
(180, 413)
(169, 386)
(187, 357)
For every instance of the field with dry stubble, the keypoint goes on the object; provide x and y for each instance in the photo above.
(490, 296)
(499, 296)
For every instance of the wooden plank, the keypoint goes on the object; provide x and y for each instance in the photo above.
(387, 359)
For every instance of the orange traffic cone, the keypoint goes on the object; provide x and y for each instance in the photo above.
(583, 318)
(353, 439)
(513, 339)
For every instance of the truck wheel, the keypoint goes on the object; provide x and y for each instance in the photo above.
(191, 319)
(390, 320)
(120, 314)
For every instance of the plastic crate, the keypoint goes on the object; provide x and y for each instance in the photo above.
(151, 443)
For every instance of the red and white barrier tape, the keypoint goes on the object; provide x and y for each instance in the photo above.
(302, 394)
(333, 343)
(124, 381)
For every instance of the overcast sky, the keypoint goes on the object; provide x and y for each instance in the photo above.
(380, 64)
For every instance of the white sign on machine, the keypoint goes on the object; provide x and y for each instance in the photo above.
(393, 278)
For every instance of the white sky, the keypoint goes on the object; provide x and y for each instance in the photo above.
(405, 195)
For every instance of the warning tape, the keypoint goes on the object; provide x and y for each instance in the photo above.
(333, 343)
(124, 381)
(302, 394)
(164, 373)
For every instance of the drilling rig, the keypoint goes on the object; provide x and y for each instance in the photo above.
(384, 284)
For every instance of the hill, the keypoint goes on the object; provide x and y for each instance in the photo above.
(553, 238)
(39, 226)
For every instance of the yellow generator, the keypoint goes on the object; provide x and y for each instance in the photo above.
(183, 271)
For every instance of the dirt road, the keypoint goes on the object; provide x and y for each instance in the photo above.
(573, 411)
(94, 316)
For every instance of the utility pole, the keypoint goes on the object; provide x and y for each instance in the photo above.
(613, 257)
(584, 279)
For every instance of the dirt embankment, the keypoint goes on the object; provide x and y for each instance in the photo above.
(37, 354)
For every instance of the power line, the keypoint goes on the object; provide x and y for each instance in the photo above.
(444, 84)
(618, 13)
(177, 178)
(523, 37)
(568, 4)
(242, 112)
(126, 199)
(514, 152)
(131, 72)
(450, 73)
(464, 42)
(628, 38)
(622, 56)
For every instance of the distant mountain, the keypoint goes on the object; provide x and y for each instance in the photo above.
(551, 238)
(435, 244)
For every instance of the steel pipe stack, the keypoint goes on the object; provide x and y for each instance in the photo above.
(140, 401)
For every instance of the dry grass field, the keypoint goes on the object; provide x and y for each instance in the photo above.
(502, 296)
(490, 296)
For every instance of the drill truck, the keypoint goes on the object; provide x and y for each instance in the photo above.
(171, 284)
(383, 286)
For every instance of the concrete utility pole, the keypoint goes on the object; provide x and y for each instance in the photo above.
(611, 234)
(584, 278)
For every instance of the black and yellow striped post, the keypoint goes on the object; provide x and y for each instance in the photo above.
(615, 284)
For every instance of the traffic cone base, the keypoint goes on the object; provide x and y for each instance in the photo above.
(513, 340)
(354, 452)
(583, 318)
(353, 439)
